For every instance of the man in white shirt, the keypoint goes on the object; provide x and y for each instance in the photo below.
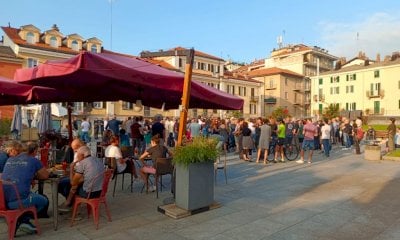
(85, 126)
(326, 136)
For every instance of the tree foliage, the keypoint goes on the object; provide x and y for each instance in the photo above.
(331, 111)
(5, 125)
(281, 113)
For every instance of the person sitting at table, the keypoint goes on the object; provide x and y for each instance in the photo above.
(123, 165)
(87, 168)
(64, 184)
(20, 169)
(155, 151)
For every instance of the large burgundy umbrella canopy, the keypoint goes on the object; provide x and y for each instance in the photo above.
(111, 77)
(12, 92)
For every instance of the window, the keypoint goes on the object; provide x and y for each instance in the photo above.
(320, 81)
(127, 105)
(399, 104)
(350, 77)
(32, 62)
(286, 95)
(203, 66)
(98, 105)
(75, 45)
(350, 89)
(253, 108)
(335, 79)
(53, 42)
(399, 84)
(231, 89)
(242, 91)
(375, 89)
(146, 111)
(271, 83)
(30, 38)
(252, 90)
(180, 62)
(212, 68)
(194, 112)
(93, 49)
(334, 90)
(286, 81)
(376, 74)
(217, 69)
(78, 107)
(350, 106)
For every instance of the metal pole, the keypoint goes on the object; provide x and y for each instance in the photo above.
(185, 95)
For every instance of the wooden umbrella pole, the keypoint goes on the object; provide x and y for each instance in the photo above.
(69, 108)
(185, 95)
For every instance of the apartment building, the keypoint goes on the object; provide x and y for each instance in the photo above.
(210, 70)
(360, 84)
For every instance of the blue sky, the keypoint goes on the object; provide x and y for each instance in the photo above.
(237, 30)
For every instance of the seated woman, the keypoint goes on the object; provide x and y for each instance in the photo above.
(156, 151)
(123, 165)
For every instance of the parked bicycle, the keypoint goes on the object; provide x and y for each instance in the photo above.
(290, 151)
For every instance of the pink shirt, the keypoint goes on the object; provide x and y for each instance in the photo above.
(309, 131)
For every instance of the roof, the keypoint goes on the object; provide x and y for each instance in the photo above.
(272, 71)
(198, 53)
(241, 77)
(12, 33)
(360, 67)
(7, 52)
(291, 49)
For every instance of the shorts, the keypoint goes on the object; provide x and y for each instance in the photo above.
(308, 145)
(147, 169)
(281, 141)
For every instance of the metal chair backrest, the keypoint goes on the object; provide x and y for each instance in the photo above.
(111, 163)
(164, 166)
(10, 185)
(106, 175)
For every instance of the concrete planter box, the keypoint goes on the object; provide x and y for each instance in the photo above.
(194, 186)
(373, 152)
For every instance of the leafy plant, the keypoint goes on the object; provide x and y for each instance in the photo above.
(280, 113)
(5, 125)
(331, 111)
(199, 150)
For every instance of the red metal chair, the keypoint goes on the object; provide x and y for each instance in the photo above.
(12, 216)
(93, 204)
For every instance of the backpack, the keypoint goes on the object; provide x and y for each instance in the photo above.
(360, 134)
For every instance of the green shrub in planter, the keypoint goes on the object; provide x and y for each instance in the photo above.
(199, 150)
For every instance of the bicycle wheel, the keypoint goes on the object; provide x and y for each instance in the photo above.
(291, 152)
(271, 153)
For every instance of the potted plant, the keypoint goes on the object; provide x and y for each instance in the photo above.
(194, 163)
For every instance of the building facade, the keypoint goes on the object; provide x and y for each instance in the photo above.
(360, 84)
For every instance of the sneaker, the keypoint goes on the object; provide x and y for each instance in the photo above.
(309, 162)
(64, 208)
(300, 161)
(28, 228)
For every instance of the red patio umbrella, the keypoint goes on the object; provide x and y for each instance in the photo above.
(110, 77)
(12, 92)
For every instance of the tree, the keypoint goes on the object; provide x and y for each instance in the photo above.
(280, 113)
(331, 111)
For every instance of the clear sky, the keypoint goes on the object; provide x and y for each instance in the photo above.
(241, 30)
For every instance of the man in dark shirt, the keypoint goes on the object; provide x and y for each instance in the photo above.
(113, 125)
(158, 128)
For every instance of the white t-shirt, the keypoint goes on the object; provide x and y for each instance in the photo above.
(115, 152)
(326, 131)
(85, 126)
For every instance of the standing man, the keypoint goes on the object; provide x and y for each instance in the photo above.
(85, 126)
(391, 130)
(309, 131)
(281, 132)
(326, 136)
(194, 128)
(113, 125)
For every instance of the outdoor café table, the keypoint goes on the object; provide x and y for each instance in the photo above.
(54, 195)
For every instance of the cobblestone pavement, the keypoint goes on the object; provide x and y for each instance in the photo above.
(341, 197)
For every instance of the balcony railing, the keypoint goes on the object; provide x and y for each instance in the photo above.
(254, 98)
(376, 94)
(270, 100)
(298, 87)
(307, 87)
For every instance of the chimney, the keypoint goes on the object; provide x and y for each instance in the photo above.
(395, 56)
(378, 58)
(54, 27)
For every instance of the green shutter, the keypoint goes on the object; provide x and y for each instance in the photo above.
(320, 81)
(347, 77)
(354, 76)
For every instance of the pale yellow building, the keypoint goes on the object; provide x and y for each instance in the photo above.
(360, 84)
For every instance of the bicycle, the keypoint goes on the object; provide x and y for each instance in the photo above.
(290, 151)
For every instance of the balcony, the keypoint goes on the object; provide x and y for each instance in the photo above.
(307, 101)
(270, 100)
(376, 94)
(270, 87)
(254, 98)
(298, 87)
(307, 87)
(320, 98)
